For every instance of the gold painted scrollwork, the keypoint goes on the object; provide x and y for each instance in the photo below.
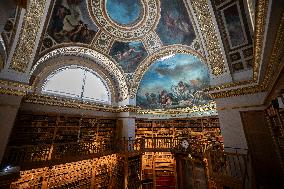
(208, 29)
(27, 39)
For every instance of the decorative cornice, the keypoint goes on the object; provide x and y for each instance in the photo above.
(13, 92)
(238, 92)
(202, 108)
(273, 67)
(15, 84)
(27, 39)
(74, 103)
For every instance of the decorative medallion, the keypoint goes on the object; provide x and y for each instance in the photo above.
(127, 29)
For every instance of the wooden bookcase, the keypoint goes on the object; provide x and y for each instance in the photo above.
(37, 137)
(159, 167)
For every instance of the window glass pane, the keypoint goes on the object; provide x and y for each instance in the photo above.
(66, 82)
(70, 82)
(94, 88)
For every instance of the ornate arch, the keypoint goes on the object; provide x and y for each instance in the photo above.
(93, 59)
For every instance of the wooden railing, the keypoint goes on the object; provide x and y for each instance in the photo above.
(227, 168)
(30, 156)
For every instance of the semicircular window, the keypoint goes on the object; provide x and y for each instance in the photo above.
(175, 81)
(77, 82)
(124, 12)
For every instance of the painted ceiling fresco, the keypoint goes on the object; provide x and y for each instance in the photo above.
(175, 26)
(128, 55)
(124, 12)
(175, 81)
(133, 33)
(69, 24)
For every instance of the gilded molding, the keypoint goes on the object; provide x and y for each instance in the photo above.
(271, 70)
(86, 105)
(238, 92)
(260, 23)
(27, 39)
(202, 108)
(13, 92)
(15, 84)
(276, 56)
(77, 104)
(209, 31)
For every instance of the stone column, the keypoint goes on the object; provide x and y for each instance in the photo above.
(9, 106)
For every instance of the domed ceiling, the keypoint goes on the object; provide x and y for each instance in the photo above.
(167, 51)
(128, 31)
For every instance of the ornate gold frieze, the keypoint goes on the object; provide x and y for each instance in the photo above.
(238, 92)
(27, 40)
(14, 88)
(209, 32)
(202, 108)
(15, 84)
(273, 67)
(12, 92)
(77, 104)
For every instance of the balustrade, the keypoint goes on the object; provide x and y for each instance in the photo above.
(227, 168)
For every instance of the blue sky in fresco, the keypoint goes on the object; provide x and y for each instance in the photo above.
(124, 11)
(163, 74)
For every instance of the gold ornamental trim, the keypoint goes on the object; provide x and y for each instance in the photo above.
(27, 40)
(195, 109)
(13, 92)
(75, 103)
(209, 32)
(15, 84)
(260, 23)
(273, 67)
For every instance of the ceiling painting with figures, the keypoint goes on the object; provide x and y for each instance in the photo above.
(133, 33)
